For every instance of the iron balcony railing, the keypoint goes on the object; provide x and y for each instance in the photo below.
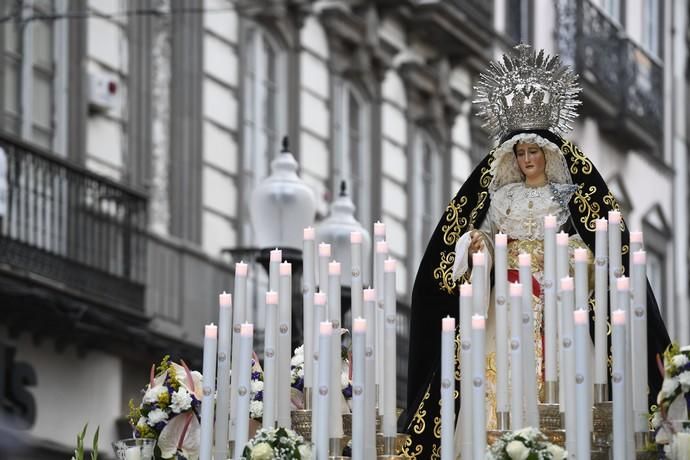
(71, 228)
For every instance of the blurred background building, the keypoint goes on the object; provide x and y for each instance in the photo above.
(134, 132)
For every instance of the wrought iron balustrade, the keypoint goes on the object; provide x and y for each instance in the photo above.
(71, 228)
(480, 10)
(618, 75)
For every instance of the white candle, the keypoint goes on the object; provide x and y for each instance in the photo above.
(636, 241)
(319, 317)
(479, 282)
(516, 409)
(620, 442)
(274, 269)
(324, 258)
(638, 324)
(359, 330)
(501, 308)
(356, 265)
(334, 316)
(284, 345)
(466, 307)
(322, 419)
(308, 286)
(379, 231)
(447, 388)
(682, 446)
(390, 354)
(583, 385)
(478, 381)
(567, 341)
(550, 312)
(561, 272)
(239, 316)
(243, 388)
(370, 373)
(581, 280)
(615, 258)
(529, 355)
(623, 303)
(223, 396)
(379, 258)
(209, 389)
(601, 302)
(271, 377)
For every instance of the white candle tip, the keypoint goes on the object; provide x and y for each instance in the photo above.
(325, 328)
(389, 265)
(580, 317)
(501, 239)
(272, 298)
(623, 283)
(309, 233)
(478, 258)
(618, 317)
(567, 284)
(636, 237)
(285, 269)
(359, 325)
(602, 225)
(276, 255)
(356, 237)
(448, 324)
(515, 289)
(334, 268)
(562, 239)
(320, 298)
(246, 329)
(639, 257)
(549, 221)
(324, 249)
(369, 295)
(478, 322)
(225, 299)
(381, 247)
(524, 259)
(379, 229)
(211, 331)
(241, 269)
(580, 255)
(466, 290)
(614, 217)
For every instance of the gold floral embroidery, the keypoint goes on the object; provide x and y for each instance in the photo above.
(452, 229)
(586, 206)
(437, 424)
(406, 449)
(485, 180)
(481, 201)
(444, 272)
(458, 343)
(419, 425)
(578, 158)
(435, 452)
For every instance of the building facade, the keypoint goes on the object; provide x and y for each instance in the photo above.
(134, 131)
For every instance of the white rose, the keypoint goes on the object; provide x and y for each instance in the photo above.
(556, 452)
(156, 416)
(344, 380)
(181, 400)
(262, 451)
(517, 450)
(256, 409)
(152, 394)
(304, 452)
(685, 348)
(684, 380)
(257, 386)
(669, 386)
(679, 360)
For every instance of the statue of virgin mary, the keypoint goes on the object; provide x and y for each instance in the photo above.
(529, 101)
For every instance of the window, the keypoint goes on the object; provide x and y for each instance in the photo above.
(518, 20)
(264, 108)
(351, 147)
(31, 69)
(428, 199)
(657, 234)
(613, 9)
(651, 26)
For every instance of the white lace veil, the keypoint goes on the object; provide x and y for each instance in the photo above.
(505, 169)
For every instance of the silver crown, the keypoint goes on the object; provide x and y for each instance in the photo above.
(527, 91)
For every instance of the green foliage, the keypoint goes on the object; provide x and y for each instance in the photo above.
(79, 451)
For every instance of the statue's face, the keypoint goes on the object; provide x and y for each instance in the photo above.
(530, 159)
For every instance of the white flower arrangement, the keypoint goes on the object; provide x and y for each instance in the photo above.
(277, 443)
(297, 372)
(527, 443)
(673, 400)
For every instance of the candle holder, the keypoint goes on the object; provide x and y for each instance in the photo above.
(551, 392)
(307, 398)
(602, 425)
(139, 448)
(550, 416)
(600, 393)
(386, 450)
(555, 436)
(335, 448)
(502, 421)
(642, 439)
(302, 422)
(347, 425)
